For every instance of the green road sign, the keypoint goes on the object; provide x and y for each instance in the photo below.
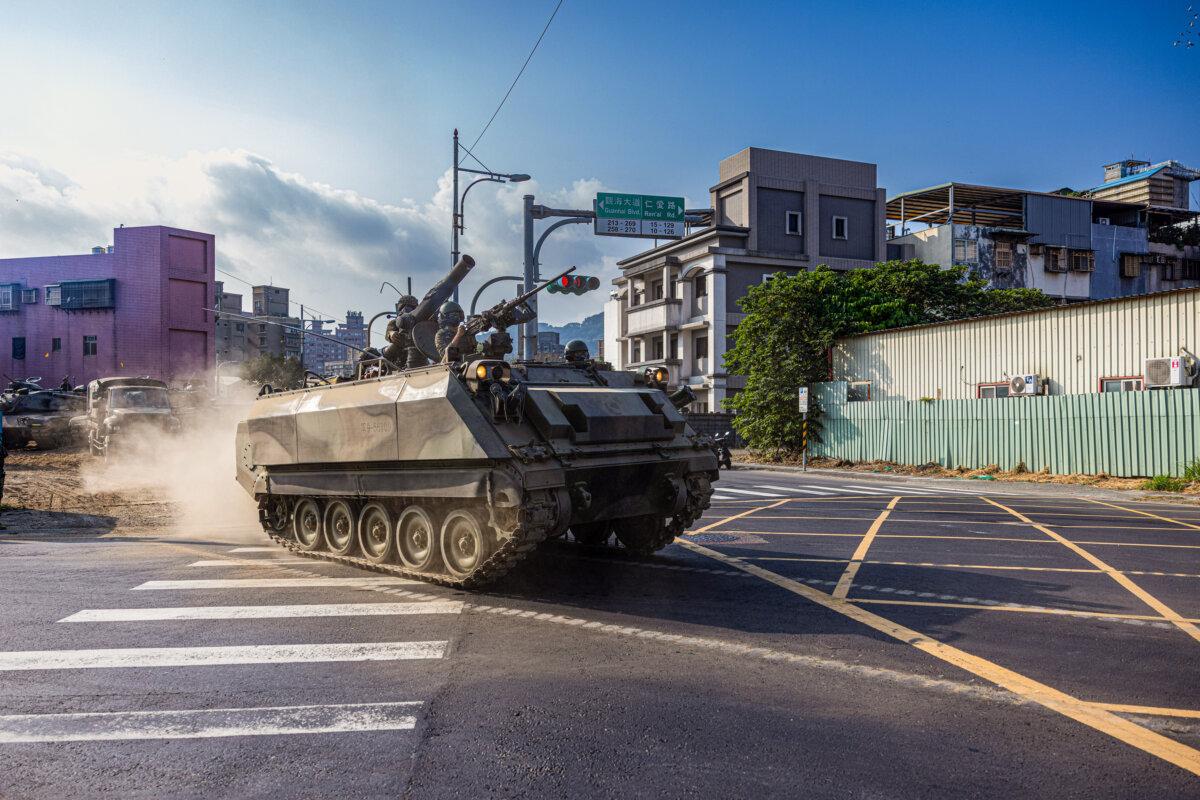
(643, 215)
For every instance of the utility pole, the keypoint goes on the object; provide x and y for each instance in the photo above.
(532, 251)
(454, 220)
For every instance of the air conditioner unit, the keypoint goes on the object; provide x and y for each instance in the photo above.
(1103, 221)
(1163, 372)
(1024, 385)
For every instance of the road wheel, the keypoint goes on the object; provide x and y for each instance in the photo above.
(416, 539)
(306, 524)
(339, 527)
(465, 545)
(643, 535)
(275, 514)
(592, 534)
(375, 533)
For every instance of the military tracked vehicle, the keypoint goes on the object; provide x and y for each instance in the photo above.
(452, 472)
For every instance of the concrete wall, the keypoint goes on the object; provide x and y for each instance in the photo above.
(771, 220)
(164, 281)
(1071, 346)
(860, 241)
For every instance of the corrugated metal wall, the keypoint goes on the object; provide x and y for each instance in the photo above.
(1126, 434)
(1072, 346)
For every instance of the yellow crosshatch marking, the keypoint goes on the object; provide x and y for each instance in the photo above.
(1127, 731)
(1064, 612)
(860, 552)
(1162, 608)
(1147, 514)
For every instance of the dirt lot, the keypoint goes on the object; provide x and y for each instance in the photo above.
(67, 489)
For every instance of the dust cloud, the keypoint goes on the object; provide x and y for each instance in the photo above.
(192, 469)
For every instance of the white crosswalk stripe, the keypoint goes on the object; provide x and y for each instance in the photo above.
(258, 550)
(802, 490)
(265, 612)
(272, 583)
(209, 656)
(750, 492)
(207, 723)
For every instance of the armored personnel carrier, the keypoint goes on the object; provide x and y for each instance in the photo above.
(452, 472)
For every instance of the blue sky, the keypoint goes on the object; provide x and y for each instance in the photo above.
(138, 109)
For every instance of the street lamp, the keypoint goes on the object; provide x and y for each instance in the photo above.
(456, 220)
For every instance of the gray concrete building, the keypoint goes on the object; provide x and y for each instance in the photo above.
(773, 212)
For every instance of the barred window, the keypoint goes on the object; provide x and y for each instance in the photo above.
(1082, 261)
(10, 296)
(54, 295)
(966, 251)
(1131, 265)
(88, 294)
(89, 345)
(1004, 255)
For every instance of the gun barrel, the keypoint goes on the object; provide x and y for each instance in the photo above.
(442, 290)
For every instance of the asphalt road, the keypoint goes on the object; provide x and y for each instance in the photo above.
(815, 636)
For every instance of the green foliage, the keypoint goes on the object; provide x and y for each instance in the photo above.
(1165, 483)
(280, 372)
(792, 323)
(1191, 472)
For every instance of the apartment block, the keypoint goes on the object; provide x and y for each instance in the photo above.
(774, 213)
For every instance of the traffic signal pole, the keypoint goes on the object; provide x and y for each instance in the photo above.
(532, 251)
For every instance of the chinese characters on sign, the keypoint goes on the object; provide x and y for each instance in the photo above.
(644, 215)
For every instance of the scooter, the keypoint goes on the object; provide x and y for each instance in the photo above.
(721, 448)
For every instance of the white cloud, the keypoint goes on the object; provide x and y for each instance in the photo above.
(333, 247)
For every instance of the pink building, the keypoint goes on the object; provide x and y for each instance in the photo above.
(136, 307)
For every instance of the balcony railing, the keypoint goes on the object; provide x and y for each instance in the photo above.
(656, 316)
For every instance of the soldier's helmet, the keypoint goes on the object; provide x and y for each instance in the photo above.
(450, 313)
(576, 350)
(406, 302)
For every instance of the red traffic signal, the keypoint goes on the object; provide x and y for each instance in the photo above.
(575, 284)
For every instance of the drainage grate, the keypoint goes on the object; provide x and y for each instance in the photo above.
(714, 538)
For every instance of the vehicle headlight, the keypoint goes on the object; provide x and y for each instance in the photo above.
(657, 376)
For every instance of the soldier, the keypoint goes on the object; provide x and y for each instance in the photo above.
(577, 352)
(449, 317)
(402, 350)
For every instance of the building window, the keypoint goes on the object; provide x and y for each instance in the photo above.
(991, 390)
(966, 251)
(1127, 383)
(29, 296)
(698, 408)
(793, 223)
(53, 295)
(1131, 265)
(841, 228)
(701, 348)
(768, 276)
(18, 348)
(635, 352)
(702, 286)
(858, 391)
(1056, 259)
(658, 348)
(656, 290)
(239, 326)
(89, 345)
(88, 294)
(55, 344)
(9, 296)
(1004, 256)
(1191, 269)
(1172, 269)
(1083, 261)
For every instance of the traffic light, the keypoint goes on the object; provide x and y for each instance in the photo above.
(574, 284)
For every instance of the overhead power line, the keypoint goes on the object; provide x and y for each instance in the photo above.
(519, 73)
(290, 300)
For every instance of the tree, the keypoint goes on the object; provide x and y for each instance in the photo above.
(280, 372)
(792, 322)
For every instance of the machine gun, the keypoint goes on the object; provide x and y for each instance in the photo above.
(501, 316)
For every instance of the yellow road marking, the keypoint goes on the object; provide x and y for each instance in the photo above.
(967, 538)
(1137, 591)
(1064, 612)
(1146, 514)
(860, 552)
(745, 513)
(1024, 568)
(1156, 711)
(1124, 730)
(983, 522)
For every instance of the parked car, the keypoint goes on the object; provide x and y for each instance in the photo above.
(123, 409)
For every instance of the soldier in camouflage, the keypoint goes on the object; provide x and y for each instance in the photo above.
(449, 317)
(402, 350)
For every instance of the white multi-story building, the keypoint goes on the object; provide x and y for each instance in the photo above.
(676, 305)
